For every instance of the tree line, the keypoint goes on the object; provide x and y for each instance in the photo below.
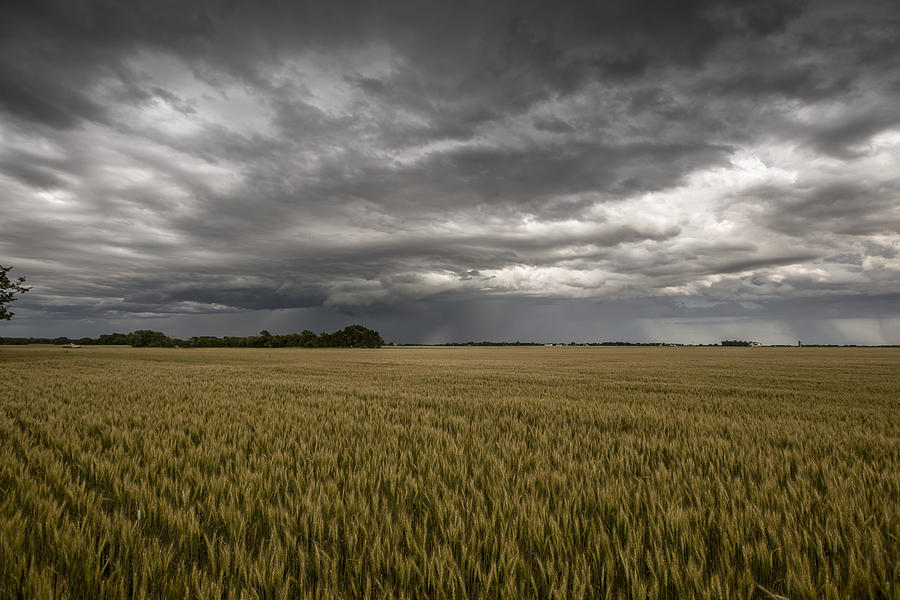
(352, 336)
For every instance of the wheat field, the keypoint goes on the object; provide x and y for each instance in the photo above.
(450, 473)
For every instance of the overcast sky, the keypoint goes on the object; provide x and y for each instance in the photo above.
(638, 170)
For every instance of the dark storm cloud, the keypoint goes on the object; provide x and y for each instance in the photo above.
(202, 158)
(848, 207)
(33, 175)
(509, 53)
(29, 97)
(840, 137)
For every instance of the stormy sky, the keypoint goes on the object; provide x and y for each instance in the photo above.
(635, 170)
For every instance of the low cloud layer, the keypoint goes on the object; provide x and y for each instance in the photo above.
(623, 164)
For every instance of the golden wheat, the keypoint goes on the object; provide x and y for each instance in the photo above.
(450, 473)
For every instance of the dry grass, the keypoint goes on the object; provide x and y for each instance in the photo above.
(455, 472)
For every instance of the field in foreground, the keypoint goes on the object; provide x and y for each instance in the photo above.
(455, 472)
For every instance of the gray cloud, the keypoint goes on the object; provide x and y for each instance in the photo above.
(376, 161)
(848, 207)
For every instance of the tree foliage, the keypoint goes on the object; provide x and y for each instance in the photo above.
(353, 336)
(8, 290)
(735, 343)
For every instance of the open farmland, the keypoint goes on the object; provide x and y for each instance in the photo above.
(450, 472)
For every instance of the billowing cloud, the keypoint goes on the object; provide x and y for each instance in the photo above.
(388, 163)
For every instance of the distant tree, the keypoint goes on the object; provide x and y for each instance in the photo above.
(114, 339)
(735, 343)
(8, 290)
(264, 340)
(147, 338)
(357, 336)
(205, 341)
(308, 339)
